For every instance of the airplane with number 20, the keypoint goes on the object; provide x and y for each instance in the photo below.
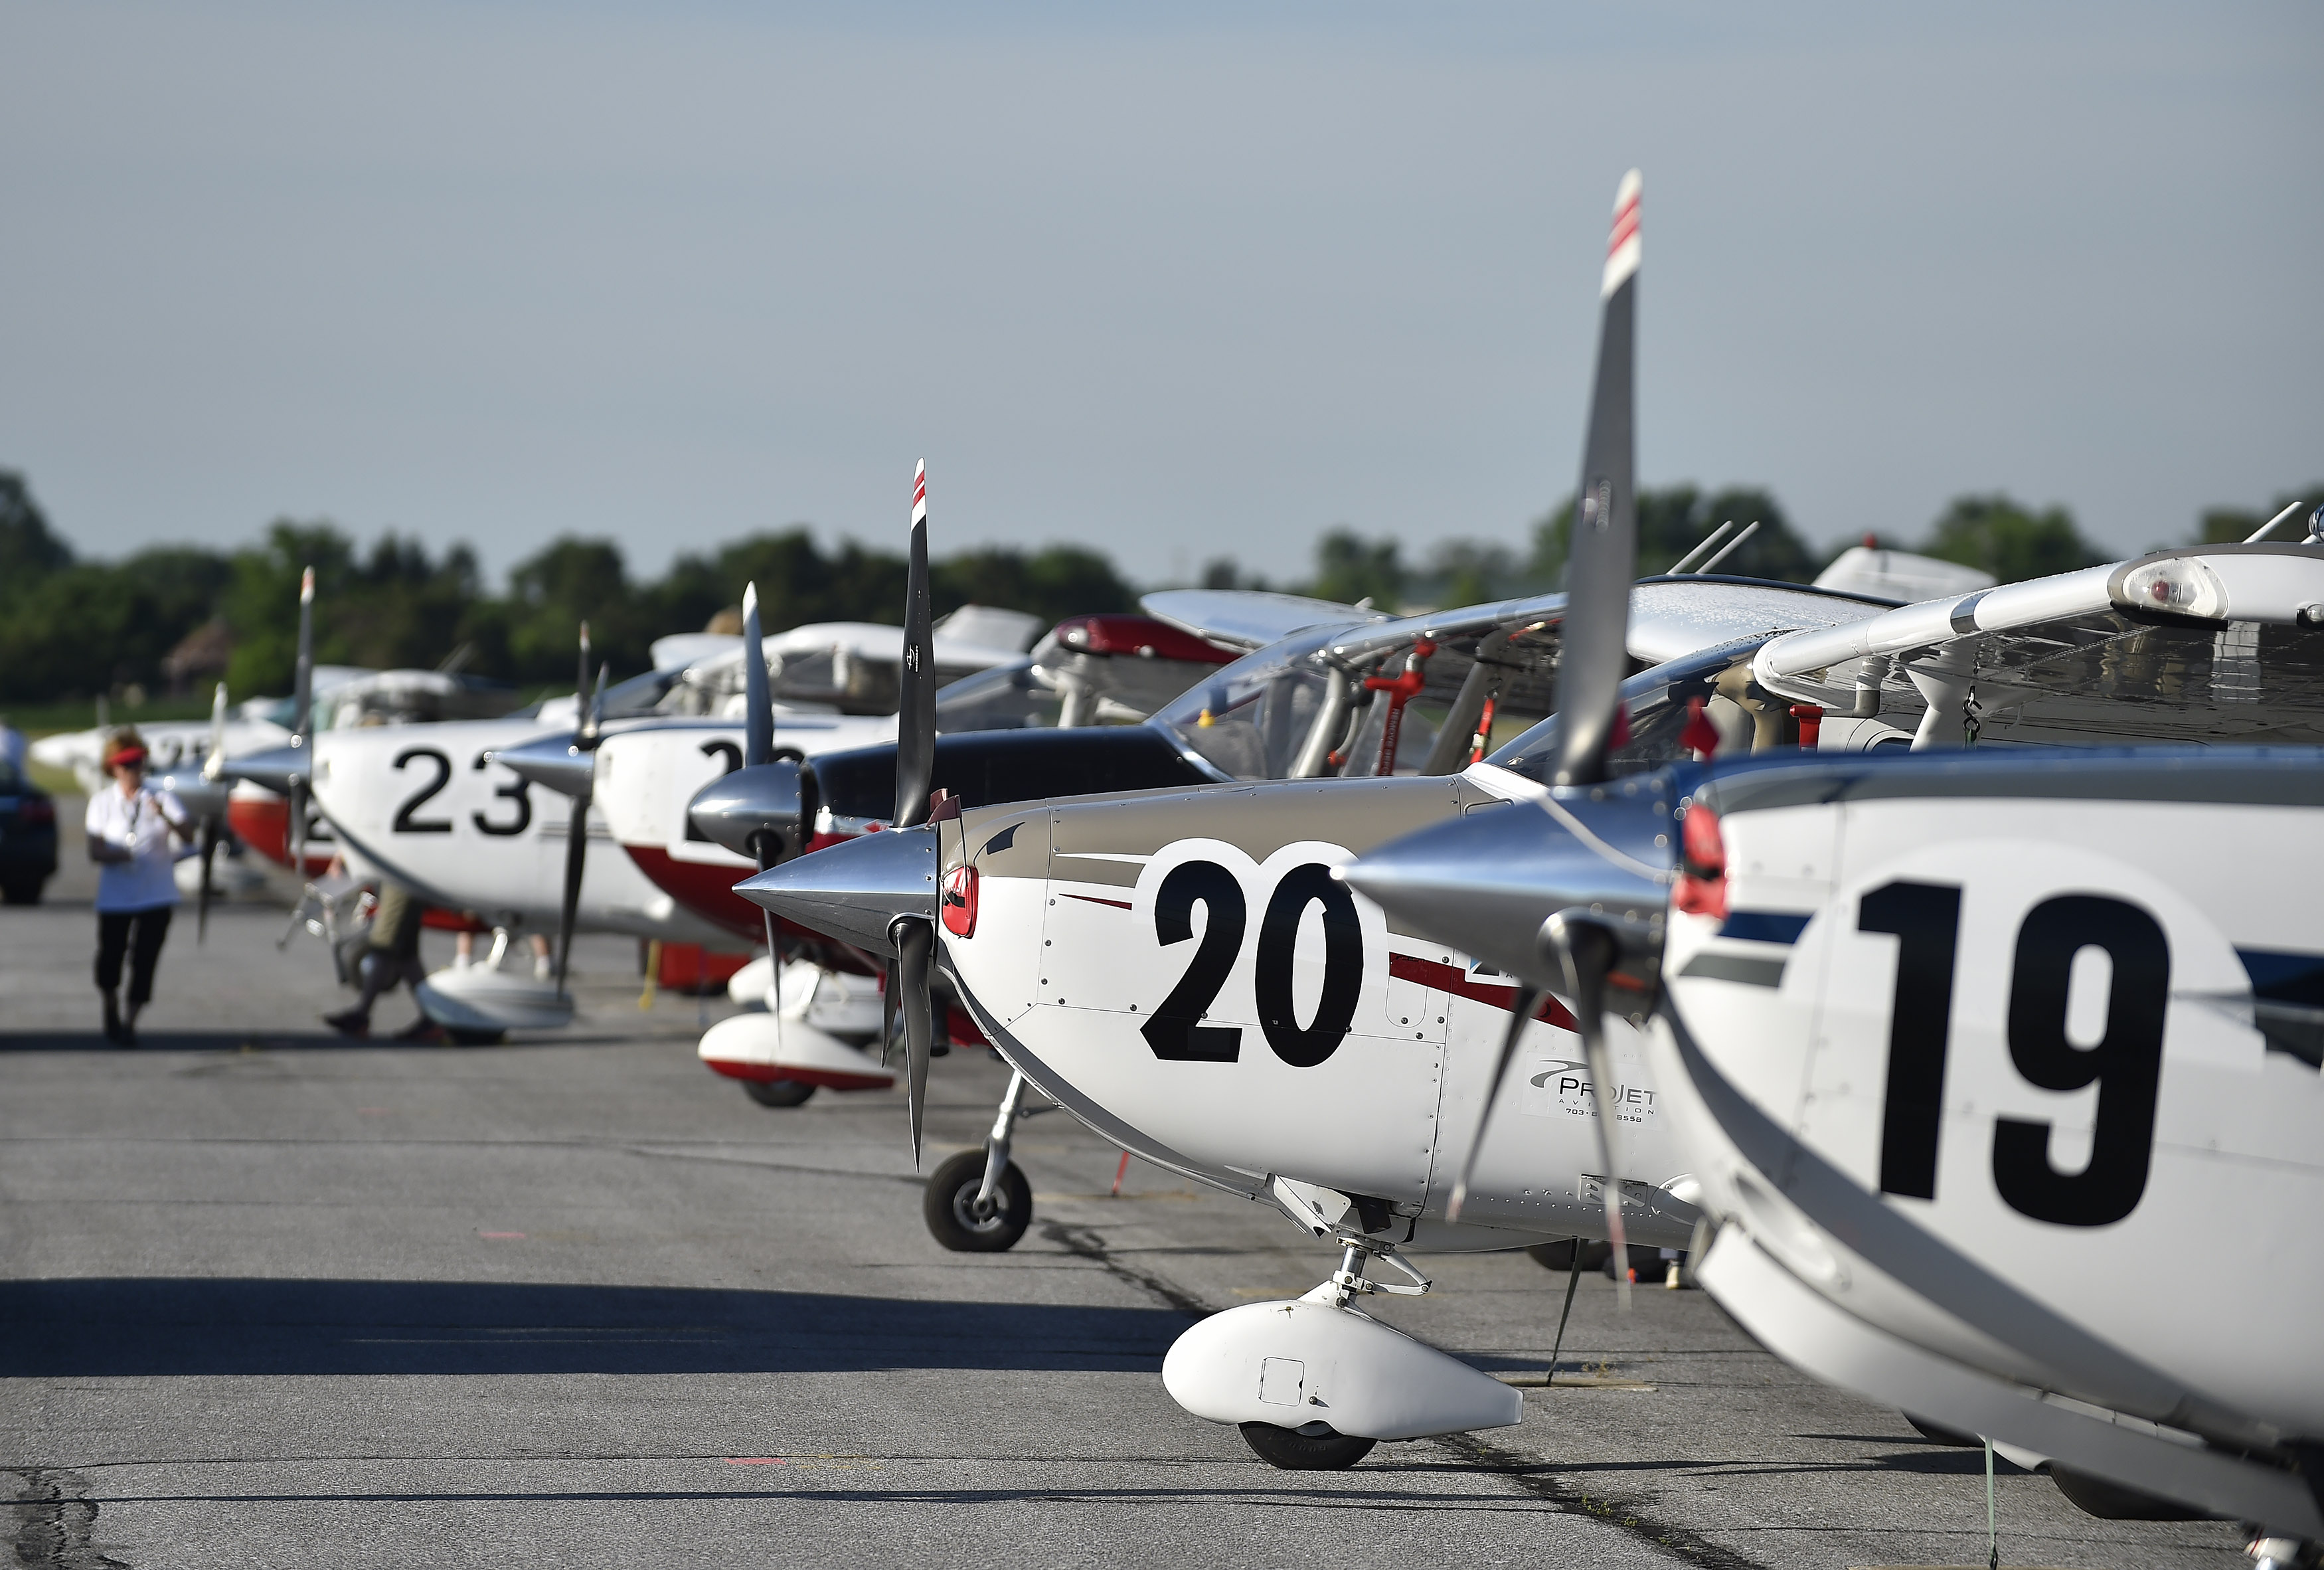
(1183, 971)
(1336, 1066)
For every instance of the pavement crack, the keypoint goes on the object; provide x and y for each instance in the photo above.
(1535, 1477)
(1085, 1242)
(1531, 1475)
(53, 1519)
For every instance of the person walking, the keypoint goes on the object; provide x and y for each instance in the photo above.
(391, 958)
(130, 827)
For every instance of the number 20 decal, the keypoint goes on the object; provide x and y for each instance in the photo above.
(1174, 1031)
(2126, 1063)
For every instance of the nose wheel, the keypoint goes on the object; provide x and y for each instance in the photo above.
(966, 1220)
(778, 1092)
(1298, 1450)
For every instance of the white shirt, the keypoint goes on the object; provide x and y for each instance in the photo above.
(138, 825)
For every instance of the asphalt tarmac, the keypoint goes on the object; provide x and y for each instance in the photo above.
(268, 1298)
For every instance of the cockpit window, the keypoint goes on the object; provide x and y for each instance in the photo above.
(639, 695)
(1321, 703)
(1656, 702)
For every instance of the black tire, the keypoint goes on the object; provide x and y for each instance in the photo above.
(778, 1092)
(22, 891)
(1293, 1451)
(1559, 1256)
(952, 1191)
(2111, 1501)
(1944, 1435)
(475, 1038)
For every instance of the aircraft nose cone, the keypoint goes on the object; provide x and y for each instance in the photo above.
(735, 808)
(854, 891)
(1486, 883)
(200, 795)
(274, 769)
(552, 763)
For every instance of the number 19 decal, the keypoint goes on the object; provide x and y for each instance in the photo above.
(2126, 1064)
(1174, 1032)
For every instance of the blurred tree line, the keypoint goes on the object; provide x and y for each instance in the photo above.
(1992, 532)
(71, 629)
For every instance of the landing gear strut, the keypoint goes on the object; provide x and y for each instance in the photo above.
(978, 1201)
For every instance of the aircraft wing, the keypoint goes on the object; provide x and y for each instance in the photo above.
(1248, 618)
(2217, 645)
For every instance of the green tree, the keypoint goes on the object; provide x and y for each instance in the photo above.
(1997, 535)
(260, 602)
(2227, 525)
(28, 552)
(552, 592)
(1053, 583)
(1468, 572)
(1673, 520)
(1351, 569)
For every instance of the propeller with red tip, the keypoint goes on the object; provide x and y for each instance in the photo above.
(566, 765)
(879, 891)
(1442, 883)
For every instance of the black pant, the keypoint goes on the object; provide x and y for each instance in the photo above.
(141, 933)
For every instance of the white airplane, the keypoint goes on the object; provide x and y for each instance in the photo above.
(1387, 1049)
(1088, 670)
(1179, 967)
(345, 695)
(428, 806)
(1956, 1055)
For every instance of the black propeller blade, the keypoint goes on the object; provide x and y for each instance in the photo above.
(302, 692)
(212, 827)
(1603, 557)
(916, 709)
(915, 946)
(916, 761)
(576, 838)
(1529, 999)
(759, 748)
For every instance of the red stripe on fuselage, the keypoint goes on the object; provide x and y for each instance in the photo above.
(768, 1073)
(263, 824)
(1447, 978)
(706, 889)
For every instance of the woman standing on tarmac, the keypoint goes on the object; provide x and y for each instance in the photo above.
(129, 831)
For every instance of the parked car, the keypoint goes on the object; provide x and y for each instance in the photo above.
(28, 837)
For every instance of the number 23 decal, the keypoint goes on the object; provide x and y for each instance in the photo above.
(1174, 1032)
(407, 821)
(2126, 1063)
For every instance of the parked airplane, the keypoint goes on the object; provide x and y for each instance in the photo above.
(1087, 671)
(427, 806)
(1157, 1048)
(1955, 1055)
(344, 694)
(1105, 947)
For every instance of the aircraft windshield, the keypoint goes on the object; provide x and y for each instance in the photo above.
(1656, 702)
(829, 679)
(1303, 708)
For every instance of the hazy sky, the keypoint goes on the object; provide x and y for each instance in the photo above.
(1176, 283)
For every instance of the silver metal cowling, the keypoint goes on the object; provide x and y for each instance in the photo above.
(1488, 882)
(857, 890)
(552, 763)
(735, 808)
